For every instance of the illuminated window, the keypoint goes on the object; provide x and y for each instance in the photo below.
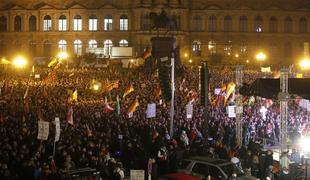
(212, 47)
(62, 45)
(93, 23)
(243, 24)
(303, 25)
(196, 48)
(273, 25)
(227, 24)
(123, 23)
(92, 44)
(77, 23)
(228, 48)
(212, 24)
(123, 43)
(47, 23)
(258, 24)
(17, 24)
(288, 25)
(108, 23)
(77, 47)
(3, 24)
(62, 23)
(32, 23)
(108, 47)
(197, 23)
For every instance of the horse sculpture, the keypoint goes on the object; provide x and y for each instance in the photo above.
(162, 21)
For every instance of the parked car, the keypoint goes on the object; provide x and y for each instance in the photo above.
(218, 169)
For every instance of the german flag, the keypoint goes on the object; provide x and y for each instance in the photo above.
(133, 106)
(128, 90)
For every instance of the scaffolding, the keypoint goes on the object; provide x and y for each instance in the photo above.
(239, 106)
(283, 97)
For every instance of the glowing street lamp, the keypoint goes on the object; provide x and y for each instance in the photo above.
(4, 61)
(185, 55)
(96, 87)
(190, 61)
(260, 57)
(305, 63)
(62, 55)
(19, 62)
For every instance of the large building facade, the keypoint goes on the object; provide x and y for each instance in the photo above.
(229, 30)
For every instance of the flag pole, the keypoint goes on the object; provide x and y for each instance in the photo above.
(172, 96)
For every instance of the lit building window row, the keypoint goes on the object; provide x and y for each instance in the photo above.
(63, 23)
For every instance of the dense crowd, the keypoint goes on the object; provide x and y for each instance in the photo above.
(114, 143)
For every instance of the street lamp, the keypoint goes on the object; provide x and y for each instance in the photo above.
(305, 63)
(63, 56)
(19, 62)
(260, 57)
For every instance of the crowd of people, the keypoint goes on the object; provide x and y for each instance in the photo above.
(114, 143)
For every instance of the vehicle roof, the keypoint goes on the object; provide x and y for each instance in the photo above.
(215, 161)
(180, 176)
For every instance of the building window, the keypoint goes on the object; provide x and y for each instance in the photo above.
(243, 49)
(303, 25)
(227, 24)
(3, 24)
(243, 24)
(47, 23)
(108, 23)
(258, 24)
(212, 47)
(18, 24)
(145, 22)
(32, 48)
(77, 47)
(197, 23)
(196, 48)
(77, 23)
(92, 44)
(123, 43)
(228, 48)
(62, 23)
(288, 25)
(123, 23)
(212, 24)
(273, 25)
(32, 24)
(93, 23)
(108, 47)
(47, 47)
(62, 45)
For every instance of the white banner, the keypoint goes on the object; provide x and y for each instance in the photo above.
(266, 69)
(231, 111)
(57, 129)
(189, 110)
(151, 110)
(136, 174)
(43, 130)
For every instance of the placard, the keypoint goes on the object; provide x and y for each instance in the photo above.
(231, 111)
(43, 130)
(189, 111)
(217, 91)
(151, 110)
(136, 174)
(57, 129)
(37, 76)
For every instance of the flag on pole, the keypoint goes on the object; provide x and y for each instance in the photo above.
(53, 63)
(132, 108)
(57, 129)
(157, 91)
(74, 95)
(147, 53)
(107, 108)
(26, 93)
(128, 90)
(229, 90)
(70, 115)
